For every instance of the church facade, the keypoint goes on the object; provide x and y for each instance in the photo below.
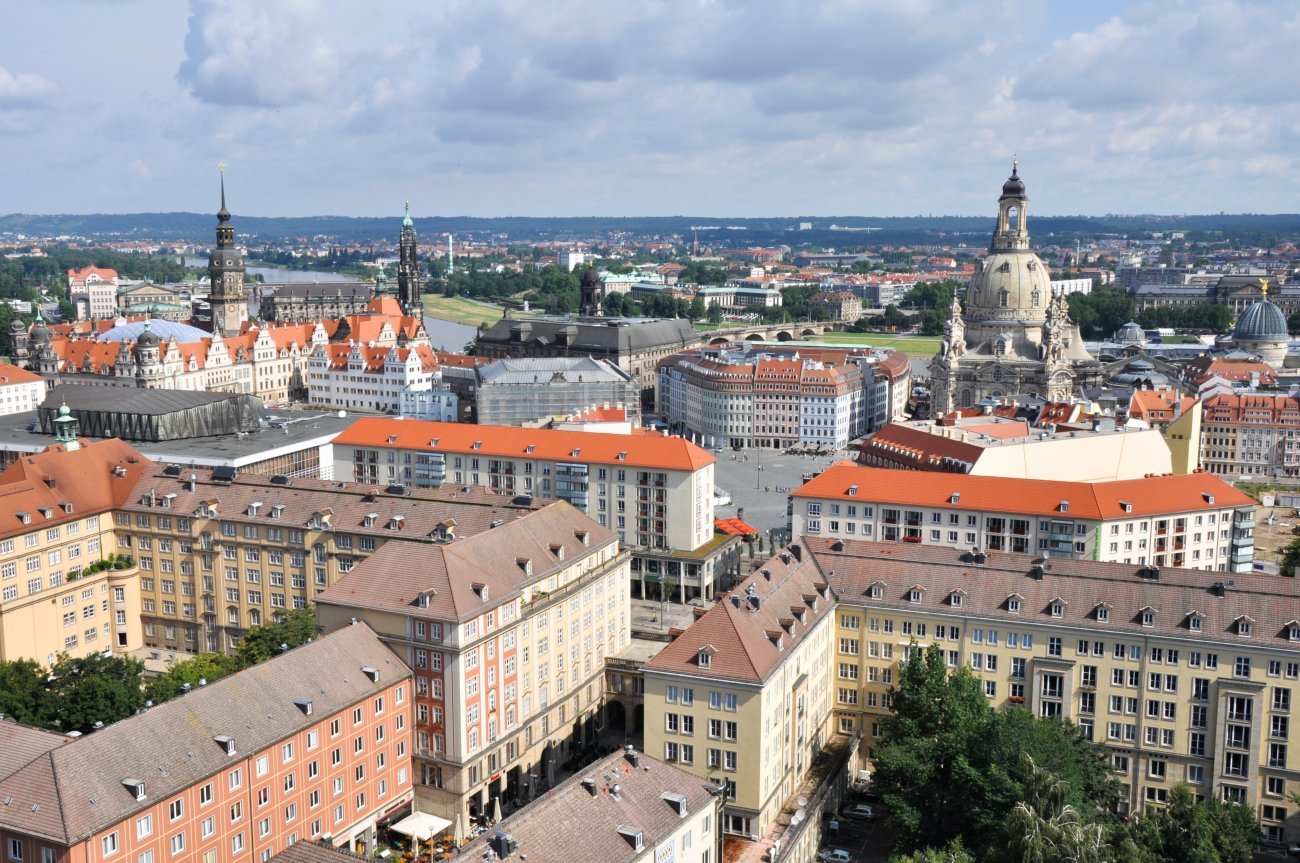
(1015, 334)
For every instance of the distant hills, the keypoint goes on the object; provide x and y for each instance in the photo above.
(725, 231)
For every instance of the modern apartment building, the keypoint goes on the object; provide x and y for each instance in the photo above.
(507, 631)
(1251, 435)
(57, 529)
(1184, 676)
(654, 491)
(1195, 520)
(312, 744)
(632, 809)
(742, 698)
(220, 551)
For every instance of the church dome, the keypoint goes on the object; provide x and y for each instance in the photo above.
(1130, 334)
(41, 334)
(1014, 187)
(1263, 321)
(155, 329)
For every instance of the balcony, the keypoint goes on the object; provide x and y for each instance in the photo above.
(1244, 524)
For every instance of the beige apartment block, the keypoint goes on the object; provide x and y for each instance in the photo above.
(220, 552)
(742, 698)
(1183, 675)
(507, 632)
(57, 532)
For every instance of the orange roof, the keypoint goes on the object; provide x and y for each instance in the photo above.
(83, 478)
(1151, 495)
(648, 451)
(734, 527)
(1154, 406)
(375, 356)
(17, 375)
(91, 270)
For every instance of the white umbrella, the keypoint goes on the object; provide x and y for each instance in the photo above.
(459, 835)
(496, 809)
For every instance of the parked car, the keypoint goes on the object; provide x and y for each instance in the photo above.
(835, 855)
(859, 812)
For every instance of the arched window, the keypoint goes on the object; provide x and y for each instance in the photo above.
(999, 348)
(1034, 298)
(1004, 299)
(1013, 218)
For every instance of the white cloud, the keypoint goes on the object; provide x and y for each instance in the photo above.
(26, 90)
(250, 52)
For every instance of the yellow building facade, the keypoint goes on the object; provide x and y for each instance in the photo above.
(1183, 676)
(60, 591)
(742, 698)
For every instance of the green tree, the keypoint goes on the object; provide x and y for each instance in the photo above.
(206, 667)
(94, 688)
(714, 314)
(1191, 831)
(923, 772)
(953, 853)
(1290, 557)
(1044, 828)
(263, 642)
(697, 310)
(23, 692)
(932, 321)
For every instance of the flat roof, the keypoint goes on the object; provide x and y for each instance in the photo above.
(285, 431)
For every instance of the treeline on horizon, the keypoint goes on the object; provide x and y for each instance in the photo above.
(1256, 229)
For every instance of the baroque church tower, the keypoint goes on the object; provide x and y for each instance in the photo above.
(408, 268)
(228, 297)
(1016, 335)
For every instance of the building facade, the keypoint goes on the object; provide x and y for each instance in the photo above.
(1193, 521)
(1251, 435)
(742, 698)
(1183, 677)
(507, 631)
(410, 283)
(58, 594)
(654, 491)
(193, 779)
(93, 290)
(20, 390)
(515, 392)
(221, 551)
(373, 378)
(1015, 335)
(775, 398)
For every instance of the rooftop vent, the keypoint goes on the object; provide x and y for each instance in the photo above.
(590, 784)
(279, 479)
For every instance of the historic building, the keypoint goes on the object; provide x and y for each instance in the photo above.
(409, 280)
(227, 296)
(517, 392)
(93, 290)
(1016, 335)
(1262, 330)
(313, 301)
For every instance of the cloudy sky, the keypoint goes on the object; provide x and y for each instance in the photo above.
(649, 107)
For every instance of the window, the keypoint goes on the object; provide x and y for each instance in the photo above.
(143, 826)
(108, 845)
(176, 809)
(178, 843)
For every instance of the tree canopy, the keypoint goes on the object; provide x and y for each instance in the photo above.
(963, 781)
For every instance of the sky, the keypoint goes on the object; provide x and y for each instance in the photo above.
(744, 108)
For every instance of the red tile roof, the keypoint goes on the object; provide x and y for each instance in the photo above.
(1152, 495)
(84, 478)
(16, 375)
(735, 527)
(647, 451)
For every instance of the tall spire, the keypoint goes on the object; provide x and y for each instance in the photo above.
(406, 222)
(223, 214)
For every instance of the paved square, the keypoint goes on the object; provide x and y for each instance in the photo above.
(760, 481)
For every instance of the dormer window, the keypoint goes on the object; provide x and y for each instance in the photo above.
(1056, 609)
(1064, 506)
(1194, 622)
(1244, 625)
(1102, 613)
(853, 491)
(703, 659)
(1126, 506)
(1013, 604)
(876, 591)
(955, 599)
(135, 786)
(914, 595)
(1293, 631)
(1148, 617)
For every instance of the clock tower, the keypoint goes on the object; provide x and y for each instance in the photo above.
(408, 268)
(227, 296)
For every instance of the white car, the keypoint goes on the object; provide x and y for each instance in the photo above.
(835, 855)
(860, 812)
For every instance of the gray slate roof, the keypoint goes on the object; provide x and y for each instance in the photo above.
(130, 400)
(570, 824)
(71, 792)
